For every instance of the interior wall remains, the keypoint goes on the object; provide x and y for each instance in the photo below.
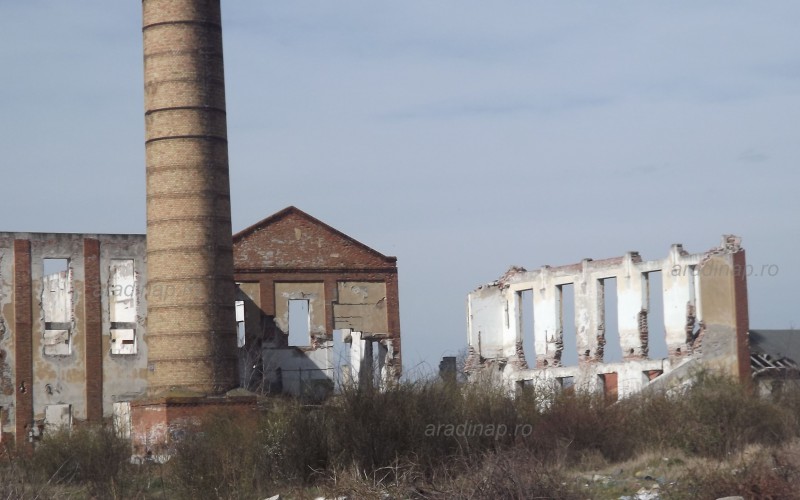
(349, 288)
(702, 299)
(356, 310)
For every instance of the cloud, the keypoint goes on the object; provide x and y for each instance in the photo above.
(753, 156)
(488, 108)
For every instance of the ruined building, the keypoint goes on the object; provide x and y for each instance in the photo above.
(156, 330)
(704, 323)
(75, 340)
(344, 294)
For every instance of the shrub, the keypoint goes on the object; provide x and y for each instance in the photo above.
(292, 442)
(366, 442)
(576, 425)
(89, 455)
(720, 416)
(372, 429)
(511, 474)
(220, 459)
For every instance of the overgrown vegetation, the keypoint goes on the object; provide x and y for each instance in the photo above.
(437, 440)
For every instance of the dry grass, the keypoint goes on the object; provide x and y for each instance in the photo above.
(717, 440)
(761, 472)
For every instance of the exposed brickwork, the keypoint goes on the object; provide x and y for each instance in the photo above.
(23, 331)
(267, 289)
(88, 378)
(157, 424)
(700, 308)
(742, 316)
(644, 335)
(191, 325)
(292, 246)
(93, 330)
(519, 357)
(393, 304)
(292, 239)
(473, 361)
(330, 293)
(691, 320)
(611, 386)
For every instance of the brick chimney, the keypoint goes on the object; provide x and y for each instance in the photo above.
(190, 313)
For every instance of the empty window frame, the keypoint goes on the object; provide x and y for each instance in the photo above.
(122, 419)
(57, 417)
(379, 353)
(56, 300)
(526, 320)
(612, 351)
(693, 309)
(609, 384)
(656, 331)
(122, 306)
(240, 322)
(565, 383)
(341, 358)
(569, 331)
(299, 322)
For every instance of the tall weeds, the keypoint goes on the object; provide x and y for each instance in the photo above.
(427, 439)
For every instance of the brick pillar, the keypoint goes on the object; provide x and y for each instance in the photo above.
(93, 330)
(23, 343)
(393, 313)
(267, 294)
(191, 324)
(722, 291)
(331, 296)
(742, 314)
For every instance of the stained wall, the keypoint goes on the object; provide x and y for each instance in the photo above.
(702, 300)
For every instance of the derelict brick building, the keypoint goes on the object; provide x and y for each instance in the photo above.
(75, 341)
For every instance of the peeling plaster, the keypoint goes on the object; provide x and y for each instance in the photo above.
(692, 299)
(346, 283)
(61, 379)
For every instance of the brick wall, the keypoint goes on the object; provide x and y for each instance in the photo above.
(191, 325)
(291, 246)
(23, 343)
(93, 330)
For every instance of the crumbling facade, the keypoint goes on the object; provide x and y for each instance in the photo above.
(705, 321)
(305, 287)
(157, 332)
(71, 330)
(75, 343)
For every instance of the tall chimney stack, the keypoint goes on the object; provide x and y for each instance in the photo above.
(190, 313)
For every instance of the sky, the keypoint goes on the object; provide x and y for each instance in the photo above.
(462, 136)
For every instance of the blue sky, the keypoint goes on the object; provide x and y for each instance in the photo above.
(461, 136)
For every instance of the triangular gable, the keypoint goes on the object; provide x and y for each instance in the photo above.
(292, 239)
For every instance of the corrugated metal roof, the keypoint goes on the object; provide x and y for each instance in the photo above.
(774, 351)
